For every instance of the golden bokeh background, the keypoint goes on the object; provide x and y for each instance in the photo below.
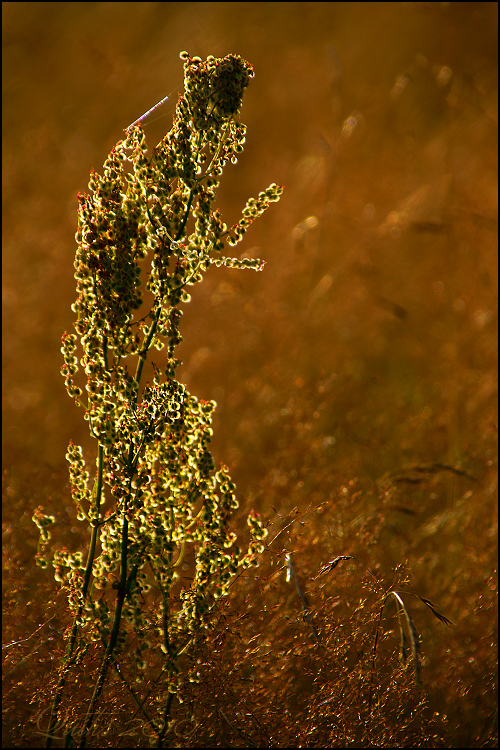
(368, 343)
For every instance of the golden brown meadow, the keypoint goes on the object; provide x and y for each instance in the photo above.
(355, 377)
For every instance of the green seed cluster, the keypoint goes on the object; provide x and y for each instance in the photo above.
(157, 502)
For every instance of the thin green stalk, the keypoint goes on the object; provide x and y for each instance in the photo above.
(69, 659)
(120, 598)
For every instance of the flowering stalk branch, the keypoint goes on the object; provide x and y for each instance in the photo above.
(156, 493)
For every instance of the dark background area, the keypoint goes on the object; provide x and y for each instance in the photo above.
(362, 359)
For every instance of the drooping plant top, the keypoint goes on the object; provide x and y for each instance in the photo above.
(161, 205)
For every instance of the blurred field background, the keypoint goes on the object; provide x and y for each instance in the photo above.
(355, 376)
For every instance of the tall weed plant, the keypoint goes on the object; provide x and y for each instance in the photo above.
(155, 505)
